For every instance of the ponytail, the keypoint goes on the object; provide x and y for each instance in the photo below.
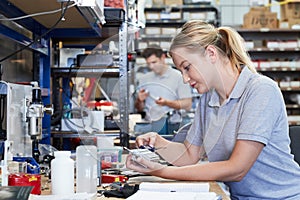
(197, 34)
(234, 48)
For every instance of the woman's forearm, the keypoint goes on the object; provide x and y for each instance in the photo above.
(175, 153)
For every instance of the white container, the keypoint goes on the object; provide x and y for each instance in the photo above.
(86, 169)
(62, 173)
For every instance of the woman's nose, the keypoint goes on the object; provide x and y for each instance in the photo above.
(186, 78)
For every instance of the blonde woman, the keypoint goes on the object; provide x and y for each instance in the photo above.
(240, 124)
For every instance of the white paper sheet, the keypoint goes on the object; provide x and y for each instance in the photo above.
(150, 195)
(175, 187)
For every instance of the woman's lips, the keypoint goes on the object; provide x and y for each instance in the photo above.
(192, 85)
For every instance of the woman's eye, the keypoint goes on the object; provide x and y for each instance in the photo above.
(186, 68)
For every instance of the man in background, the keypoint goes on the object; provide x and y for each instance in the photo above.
(162, 89)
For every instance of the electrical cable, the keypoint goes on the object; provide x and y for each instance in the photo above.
(51, 28)
(2, 115)
(36, 14)
(41, 36)
(58, 114)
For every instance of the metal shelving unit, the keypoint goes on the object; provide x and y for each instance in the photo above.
(120, 71)
(170, 19)
(74, 31)
(276, 54)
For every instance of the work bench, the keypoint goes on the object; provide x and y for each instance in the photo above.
(214, 186)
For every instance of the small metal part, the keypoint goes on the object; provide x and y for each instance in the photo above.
(143, 153)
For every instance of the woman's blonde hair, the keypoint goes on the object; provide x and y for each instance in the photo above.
(196, 33)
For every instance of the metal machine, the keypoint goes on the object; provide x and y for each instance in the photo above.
(21, 114)
(35, 113)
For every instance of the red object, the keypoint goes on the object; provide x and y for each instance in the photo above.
(114, 3)
(23, 179)
(89, 89)
(93, 104)
(105, 165)
(110, 178)
(130, 57)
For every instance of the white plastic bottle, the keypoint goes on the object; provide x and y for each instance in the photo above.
(86, 169)
(62, 173)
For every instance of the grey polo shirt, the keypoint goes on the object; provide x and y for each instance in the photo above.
(255, 110)
(170, 86)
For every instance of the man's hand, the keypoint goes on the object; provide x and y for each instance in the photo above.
(142, 95)
(161, 101)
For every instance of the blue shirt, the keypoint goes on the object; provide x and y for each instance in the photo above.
(255, 110)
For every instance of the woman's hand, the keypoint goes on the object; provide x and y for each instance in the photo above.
(144, 166)
(148, 139)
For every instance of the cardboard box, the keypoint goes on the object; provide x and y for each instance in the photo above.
(168, 31)
(173, 2)
(290, 13)
(290, 10)
(152, 15)
(152, 31)
(175, 15)
(165, 44)
(158, 2)
(260, 17)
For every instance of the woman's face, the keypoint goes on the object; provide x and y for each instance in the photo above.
(196, 68)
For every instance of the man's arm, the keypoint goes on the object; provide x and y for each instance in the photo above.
(185, 103)
(139, 105)
(140, 100)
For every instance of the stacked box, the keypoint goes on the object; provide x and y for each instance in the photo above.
(158, 2)
(167, 2)
(173, 2)
(260, 17)
(290, 13)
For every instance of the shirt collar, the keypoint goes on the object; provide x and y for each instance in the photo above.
(166, 74)
(237, 91)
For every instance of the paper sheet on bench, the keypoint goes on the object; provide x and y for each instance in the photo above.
(173, 191)
(150, 195)
(175, 187)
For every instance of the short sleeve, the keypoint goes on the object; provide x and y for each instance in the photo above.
(263, 107)
(195, 134)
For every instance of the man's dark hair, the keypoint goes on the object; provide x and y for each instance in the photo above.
(152, 50)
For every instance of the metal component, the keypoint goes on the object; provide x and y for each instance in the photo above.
(67, 56)
(124, 85)
(95, 60)
(93, 12)
(143, 153)
(35, 113)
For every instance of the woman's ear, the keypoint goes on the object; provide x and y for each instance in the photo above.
(211, 53)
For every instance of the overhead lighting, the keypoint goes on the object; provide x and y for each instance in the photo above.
(19, 61)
